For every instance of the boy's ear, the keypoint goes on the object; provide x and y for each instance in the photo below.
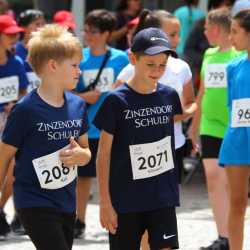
(132, 58)
(52, 65)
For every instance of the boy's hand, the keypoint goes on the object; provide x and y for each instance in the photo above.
(108, 217)
(73, 155)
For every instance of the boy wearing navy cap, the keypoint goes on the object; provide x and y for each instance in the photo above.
(135, 161)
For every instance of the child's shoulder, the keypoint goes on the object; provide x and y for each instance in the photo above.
(117, 52)
(211, 51)
(235, 63)
(73, 98)
(14, 59)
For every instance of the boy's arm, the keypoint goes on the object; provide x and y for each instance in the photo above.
(78, 152)
(188, 102)
(108, 216)
(195, 125)
(7, 154)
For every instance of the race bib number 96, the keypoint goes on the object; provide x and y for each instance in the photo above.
(9, 88)
(215, 76)
(51, 172)
(241, 113)
(151, 159)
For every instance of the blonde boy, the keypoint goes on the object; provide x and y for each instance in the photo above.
(46, 132)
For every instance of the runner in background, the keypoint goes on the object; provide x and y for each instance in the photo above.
(211, 119)
(13, 82)
(66, 19)
(46, 133)
(100, 66)
(234, 153)
(187, 15)
(30, 21)
(126, 11)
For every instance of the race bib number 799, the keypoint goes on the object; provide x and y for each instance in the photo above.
(151, 159)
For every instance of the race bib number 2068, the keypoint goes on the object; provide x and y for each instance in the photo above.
(51, 172)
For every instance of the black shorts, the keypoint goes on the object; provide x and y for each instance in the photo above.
(179, 155)
(90, 169)
(48, 229)
(210, 146)
(161, 225)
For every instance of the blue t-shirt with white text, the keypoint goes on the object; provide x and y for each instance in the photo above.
(134, 119)
(37, 129)
(90, 67)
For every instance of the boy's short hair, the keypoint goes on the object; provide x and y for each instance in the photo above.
(52, 42)
(221, 17)
(102, 19)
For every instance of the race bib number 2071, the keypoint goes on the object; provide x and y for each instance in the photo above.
(151, 159)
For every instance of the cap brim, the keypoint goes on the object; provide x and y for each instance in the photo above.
(13, 30)
(69, 25)
(160, 49)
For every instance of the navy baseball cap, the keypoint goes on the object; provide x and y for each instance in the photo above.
(152, 41)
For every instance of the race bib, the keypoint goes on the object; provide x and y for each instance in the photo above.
(34, 81)
(151, 159)
(105, 81)
(215, 76)
(9, 89)
(241, 113)
(51, 172)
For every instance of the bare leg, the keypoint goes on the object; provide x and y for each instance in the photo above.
(83, 191)
(218, 194)
(7, 188)
(144, 242)
(238, 177)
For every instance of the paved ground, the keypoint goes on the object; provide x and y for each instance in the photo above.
(196, 227)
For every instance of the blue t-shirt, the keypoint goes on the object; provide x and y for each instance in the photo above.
(187, 17)
(133, 118)
(90, 67)
(22, 52)
(38, 129)
(14, 67)
(236, 143)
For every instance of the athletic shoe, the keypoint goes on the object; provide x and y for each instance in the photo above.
(16, 226)
(79, 229)
(4, 226)
(220, 244)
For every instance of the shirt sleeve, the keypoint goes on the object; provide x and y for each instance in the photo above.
(126, 73)
(106, 118)
(186, 74)
(177, 102)
(17, 126)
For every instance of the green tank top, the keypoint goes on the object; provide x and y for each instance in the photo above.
(214, 111)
